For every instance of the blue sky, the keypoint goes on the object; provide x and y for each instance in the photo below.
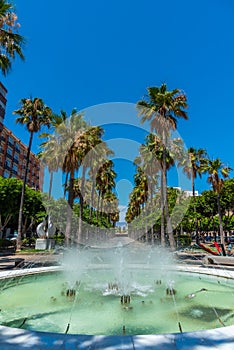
(85, 53)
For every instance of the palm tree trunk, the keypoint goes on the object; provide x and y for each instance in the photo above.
(168, 218)
(98, 204)
(65, 186)
(169, 229)
(221, 225)
(92, 200)
(19, 236)
(101, 206)
(51, 184)
(69, 208)
(194, 210)
(162, 211)
(81, 203)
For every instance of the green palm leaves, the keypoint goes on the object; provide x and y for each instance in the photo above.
(162, 108)
(76, 149)
(10, 41)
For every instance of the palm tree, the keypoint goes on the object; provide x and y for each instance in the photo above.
(50, 151)
(138, 200)
(34, 114)
(197, 161)
(10, 41)
(217, 172)
(96, 158)
(70, 136)
(89, 141)
(165, 159)
(150, 166)
(105, 181)
(195, 165)
(162, 108)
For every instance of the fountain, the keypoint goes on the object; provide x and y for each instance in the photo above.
(120, 291)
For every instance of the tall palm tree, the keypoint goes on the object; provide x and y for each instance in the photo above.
(89, 141)
(195, 165)
(162, 108)
(10, 41)
(217, 172)
(138, 200)
(105, 181)
(96, 158)
(165, 159)
(34, 114)
(50, 151)
(150, 166)
(70, 137)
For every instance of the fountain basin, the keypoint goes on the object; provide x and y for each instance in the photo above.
(201, 301)
(109, 278)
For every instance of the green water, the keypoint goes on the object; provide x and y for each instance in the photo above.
(40, 303)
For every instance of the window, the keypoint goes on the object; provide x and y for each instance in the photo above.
(10, 140)
(15, 167)
(6, 174)
(9, 151)
(16, 158)
(17, 147)
(7, 163)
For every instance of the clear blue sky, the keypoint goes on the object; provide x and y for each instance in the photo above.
(83, 53)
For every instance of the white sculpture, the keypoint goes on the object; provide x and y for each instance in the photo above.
(46, 228)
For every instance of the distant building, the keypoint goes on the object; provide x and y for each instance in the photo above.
(13, 153)
(187, 193)
(190, 193)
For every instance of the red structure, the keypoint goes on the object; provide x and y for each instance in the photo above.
(13, 153)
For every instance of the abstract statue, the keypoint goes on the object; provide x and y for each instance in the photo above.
(46, 228)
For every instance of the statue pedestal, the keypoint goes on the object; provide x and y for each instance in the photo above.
(50, 243)
(44, 243)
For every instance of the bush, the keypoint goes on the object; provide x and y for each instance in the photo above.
(59, 238)
(29, 241)
(183, 240)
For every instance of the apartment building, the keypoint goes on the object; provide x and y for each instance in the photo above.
(13, 153)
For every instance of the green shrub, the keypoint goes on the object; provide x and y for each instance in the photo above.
(59, 238)
(183, 240)
(29, 241)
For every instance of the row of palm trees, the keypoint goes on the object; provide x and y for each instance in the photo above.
(160, 106)
(161, 152)
(75, 148)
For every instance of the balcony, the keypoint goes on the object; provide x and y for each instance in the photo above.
(7, 167)
(11, 144)
(9, 155)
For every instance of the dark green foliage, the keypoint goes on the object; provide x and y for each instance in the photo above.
(183, 240)
(10, 194)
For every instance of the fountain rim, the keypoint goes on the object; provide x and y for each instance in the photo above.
(213, 337)
(209, 271)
